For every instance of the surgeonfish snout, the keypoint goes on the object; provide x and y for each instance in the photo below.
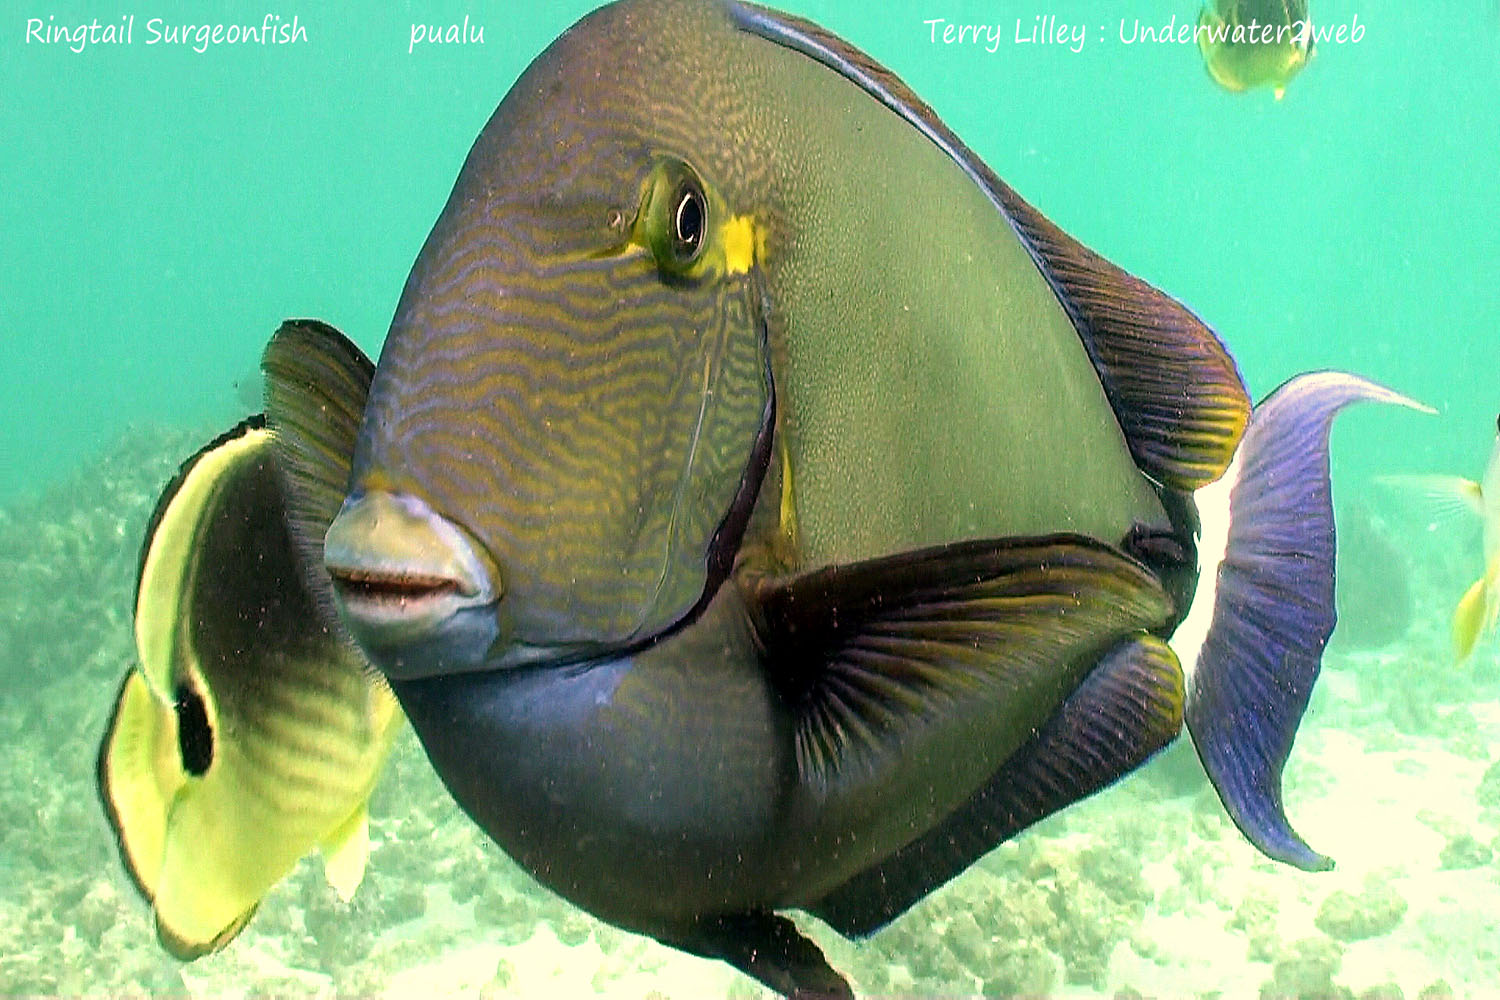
(404, 576)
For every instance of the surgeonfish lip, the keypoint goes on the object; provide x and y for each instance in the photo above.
(417, 594)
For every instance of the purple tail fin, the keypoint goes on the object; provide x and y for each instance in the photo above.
(1273, 606)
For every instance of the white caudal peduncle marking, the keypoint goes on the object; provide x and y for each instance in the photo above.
(1213, 542)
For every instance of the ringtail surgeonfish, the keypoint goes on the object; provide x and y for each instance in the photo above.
(1255, 43)
(759, 506)
(251, 731)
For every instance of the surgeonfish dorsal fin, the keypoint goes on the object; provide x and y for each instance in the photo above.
(317, 382)
(1173, 386)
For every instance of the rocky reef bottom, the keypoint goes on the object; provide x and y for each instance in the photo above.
(1146, 890)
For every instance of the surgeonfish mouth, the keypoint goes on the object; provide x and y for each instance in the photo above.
(401, 571)
(401, 588)
(393, 596)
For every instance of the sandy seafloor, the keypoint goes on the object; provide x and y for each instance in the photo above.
(1144, 890)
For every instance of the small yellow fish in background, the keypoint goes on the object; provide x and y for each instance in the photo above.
(1255, 43)
(243, 738)
(1479, 608)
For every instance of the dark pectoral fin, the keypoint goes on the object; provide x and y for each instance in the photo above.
(1173, 386)
(317, 382)
(1128, 708)
(769, 948)
(871, 652)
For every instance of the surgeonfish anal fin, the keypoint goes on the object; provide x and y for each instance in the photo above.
(317, 382)
(1273, 606)
(345, 852)
(877, 656)
(767, 947)
(1129, 707)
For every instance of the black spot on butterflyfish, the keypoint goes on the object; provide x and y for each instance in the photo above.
(195, 737)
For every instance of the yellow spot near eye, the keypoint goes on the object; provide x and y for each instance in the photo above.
(738, 238)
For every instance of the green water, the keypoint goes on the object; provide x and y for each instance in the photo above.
(165, 209)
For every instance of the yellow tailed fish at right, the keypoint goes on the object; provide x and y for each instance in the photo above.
(1479, 608)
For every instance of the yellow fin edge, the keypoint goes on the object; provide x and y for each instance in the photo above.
(1468, 620)
(346, 851)
(139, 776)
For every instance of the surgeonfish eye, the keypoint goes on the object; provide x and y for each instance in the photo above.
(687, 226)
(675, 218)
(195, 736)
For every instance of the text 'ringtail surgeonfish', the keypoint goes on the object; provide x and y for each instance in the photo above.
(249, 733)
(1255, 43)
(759, 506)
